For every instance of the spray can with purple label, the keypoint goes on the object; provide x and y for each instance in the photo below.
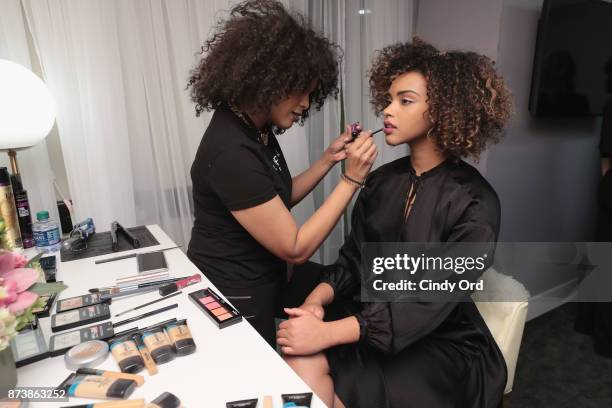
(23, 211)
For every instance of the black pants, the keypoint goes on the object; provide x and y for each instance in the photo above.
(260, 305)
(595, 318)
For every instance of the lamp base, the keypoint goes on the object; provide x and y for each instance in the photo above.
(13, 157)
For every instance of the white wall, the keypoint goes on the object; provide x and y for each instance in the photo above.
(544, 171)
(463, 25)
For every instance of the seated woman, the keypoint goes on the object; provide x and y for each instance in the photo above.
(408, 354)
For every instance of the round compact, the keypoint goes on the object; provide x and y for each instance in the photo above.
(88, 354)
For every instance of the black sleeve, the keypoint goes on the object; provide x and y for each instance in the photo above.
(241, 179)
(391, 327)
(344, 276)
(605, 141)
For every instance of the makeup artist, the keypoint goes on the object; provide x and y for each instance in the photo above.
(262, 71)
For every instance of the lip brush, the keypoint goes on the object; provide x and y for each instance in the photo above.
(148, 303)
(142, 316)
(355, 130)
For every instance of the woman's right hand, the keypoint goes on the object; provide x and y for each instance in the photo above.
(360, 156)
(314, 308)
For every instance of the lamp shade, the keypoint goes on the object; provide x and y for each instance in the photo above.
(27, 109)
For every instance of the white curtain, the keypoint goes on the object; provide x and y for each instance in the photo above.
(34, 165)
(370, 26)
(360, 27)
(128, 131)
(328, 18)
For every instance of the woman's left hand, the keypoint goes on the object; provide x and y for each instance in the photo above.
(336, 151)
(303, 334)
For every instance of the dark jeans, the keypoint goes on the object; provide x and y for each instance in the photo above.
(260, 305)
(595, 318)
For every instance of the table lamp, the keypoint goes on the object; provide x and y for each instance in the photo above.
(27, 109)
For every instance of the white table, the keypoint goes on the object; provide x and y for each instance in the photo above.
(229, 364)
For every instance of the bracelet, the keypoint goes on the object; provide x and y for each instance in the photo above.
(360, 184)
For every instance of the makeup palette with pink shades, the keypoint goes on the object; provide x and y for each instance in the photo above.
(220, 312)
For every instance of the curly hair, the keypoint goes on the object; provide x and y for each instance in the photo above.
(469, 103)
(260, 55)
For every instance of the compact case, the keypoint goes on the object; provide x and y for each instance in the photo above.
(29, 346)
(79, 317)
(217, 309)
(60, 343)
(88, 354)
(79, 301)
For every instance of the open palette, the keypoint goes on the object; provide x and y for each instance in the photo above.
(219, 311)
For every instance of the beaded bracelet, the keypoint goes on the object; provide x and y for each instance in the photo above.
(353, 182)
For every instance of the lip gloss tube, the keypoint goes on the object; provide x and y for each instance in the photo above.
(174, 286)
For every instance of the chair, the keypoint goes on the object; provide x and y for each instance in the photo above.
(505, 319)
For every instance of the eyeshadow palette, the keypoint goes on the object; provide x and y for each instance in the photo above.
(60, 343)
(45, 310)
(78, 301)
(79, 317)
(29, 346)
(219, 311)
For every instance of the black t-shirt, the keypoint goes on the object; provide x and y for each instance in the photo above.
(233, 171)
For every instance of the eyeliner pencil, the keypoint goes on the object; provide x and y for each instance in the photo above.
(142, 316)
(148, 303)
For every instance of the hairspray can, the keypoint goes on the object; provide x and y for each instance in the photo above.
(23, 211)
(8, 212)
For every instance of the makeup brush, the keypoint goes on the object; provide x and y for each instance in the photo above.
(148, 303)
(142, 316)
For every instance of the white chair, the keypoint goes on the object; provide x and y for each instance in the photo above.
(505, 320)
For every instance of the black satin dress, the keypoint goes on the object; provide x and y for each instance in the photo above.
(433, 355)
